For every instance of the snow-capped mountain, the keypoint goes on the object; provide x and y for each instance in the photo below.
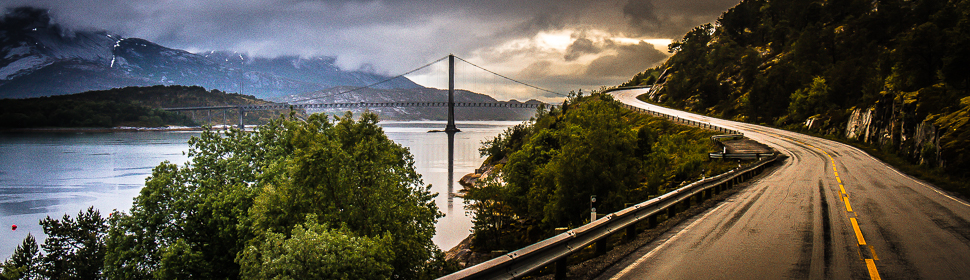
(41, 58)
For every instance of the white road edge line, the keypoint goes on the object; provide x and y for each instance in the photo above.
(661, 246)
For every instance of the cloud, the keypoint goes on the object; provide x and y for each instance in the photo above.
(641, 13)
(394, 36)
(580, 47)
(628, 61)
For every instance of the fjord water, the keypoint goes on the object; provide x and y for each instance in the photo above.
(53, 174)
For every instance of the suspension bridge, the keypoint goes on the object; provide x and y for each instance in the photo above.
(451, 104)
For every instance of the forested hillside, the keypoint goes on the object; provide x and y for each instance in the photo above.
(545, 170)
(894, 74)
(131, 106)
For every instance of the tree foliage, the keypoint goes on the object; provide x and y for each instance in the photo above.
(24, 263)
(555, 162)
(293, 199)
(315, 251)
(74, 250)
(245, 192)
(130, 106)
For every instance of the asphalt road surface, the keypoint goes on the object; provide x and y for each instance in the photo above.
(829, 211)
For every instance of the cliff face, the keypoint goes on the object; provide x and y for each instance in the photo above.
(919, 144)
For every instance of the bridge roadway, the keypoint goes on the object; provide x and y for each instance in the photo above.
(795, 222)
(285, 106)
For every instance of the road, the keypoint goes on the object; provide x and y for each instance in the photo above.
(829, 211)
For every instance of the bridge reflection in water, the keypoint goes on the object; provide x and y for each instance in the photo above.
(442, 168)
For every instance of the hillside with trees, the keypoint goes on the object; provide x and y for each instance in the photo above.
(132, 107)
(545, 170)
(891, 74)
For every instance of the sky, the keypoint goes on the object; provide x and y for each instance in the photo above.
(560, 45)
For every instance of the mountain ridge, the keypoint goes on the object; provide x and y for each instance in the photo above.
(38, 57)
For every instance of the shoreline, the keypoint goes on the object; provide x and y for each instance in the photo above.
(106, 129)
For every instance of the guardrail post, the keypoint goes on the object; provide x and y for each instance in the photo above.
(652, 221)
(561, 265)
(631, 230)
(601, 246)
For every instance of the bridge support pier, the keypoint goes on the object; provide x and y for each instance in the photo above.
(451, 128)
(242, 113)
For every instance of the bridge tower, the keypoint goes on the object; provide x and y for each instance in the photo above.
(451, 128)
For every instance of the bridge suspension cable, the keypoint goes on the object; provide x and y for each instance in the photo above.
(510, 79)
(377, 83)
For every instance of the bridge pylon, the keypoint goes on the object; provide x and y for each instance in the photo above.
(451, 128)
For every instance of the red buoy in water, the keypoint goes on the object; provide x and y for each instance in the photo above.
(14, 227)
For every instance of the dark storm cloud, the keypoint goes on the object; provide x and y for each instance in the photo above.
(580, 47)
(642, 13)
(391, 35)
(672, 18)
(629, 60)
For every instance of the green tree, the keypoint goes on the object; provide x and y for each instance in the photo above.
(315, 251)
(350, 174)
(239, 189)
(595, 159)
(74, 246)
(24, 263)
(810, 101)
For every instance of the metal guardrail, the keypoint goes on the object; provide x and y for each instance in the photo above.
(683, 121)
(739, 156)
(521, 262)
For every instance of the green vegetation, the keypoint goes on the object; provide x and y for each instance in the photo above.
(291, 200)
(56, 112)
(74, 250)
(547, 169)
(817, 65)
(131, 106)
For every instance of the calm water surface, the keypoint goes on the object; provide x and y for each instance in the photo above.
(52, 174)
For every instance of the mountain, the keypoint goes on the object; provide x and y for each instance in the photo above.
(894, 74)
(41, 58)
(368, 95)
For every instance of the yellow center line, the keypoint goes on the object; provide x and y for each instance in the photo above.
(873, 273)
(870, 263)
(858, 232)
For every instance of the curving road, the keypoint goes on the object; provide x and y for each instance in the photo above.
(829, 211)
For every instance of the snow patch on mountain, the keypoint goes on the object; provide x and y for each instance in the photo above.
(25, 64)
(22, 50)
